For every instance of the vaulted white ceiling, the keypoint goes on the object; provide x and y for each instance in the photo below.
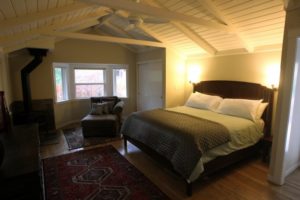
(190, 27)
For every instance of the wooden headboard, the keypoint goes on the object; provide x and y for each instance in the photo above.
(242, 90)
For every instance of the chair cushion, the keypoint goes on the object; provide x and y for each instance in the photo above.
(99, 118)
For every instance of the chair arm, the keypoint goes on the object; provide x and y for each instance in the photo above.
(118, 108)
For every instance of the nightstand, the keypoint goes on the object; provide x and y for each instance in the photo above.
(266, 148)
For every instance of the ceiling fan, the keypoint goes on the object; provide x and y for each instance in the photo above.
(134, 20)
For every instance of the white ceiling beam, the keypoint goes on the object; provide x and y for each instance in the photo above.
(116, 29)
(195, 38)
(91, 37)
(141, 8)
(13, 22)
(190, 33)
(77, 24)
(44, 43)
(211, 7)
(123, 45)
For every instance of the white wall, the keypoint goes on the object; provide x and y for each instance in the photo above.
(254, 67)
(286, 142)
(175, 78)
(156, 54)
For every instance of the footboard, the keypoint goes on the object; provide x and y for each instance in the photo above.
(157, 157)
(209, 168)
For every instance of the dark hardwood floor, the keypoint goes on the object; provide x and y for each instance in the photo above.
(247, 180)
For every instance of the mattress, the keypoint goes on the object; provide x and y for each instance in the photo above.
(243, 133)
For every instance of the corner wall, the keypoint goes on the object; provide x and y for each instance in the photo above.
(73, 51)
(285, 157)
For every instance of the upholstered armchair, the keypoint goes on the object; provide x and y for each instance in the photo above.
(104, 118)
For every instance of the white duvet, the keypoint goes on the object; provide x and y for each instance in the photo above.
(243, 133)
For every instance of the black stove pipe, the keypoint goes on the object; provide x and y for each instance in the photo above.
(37, 60)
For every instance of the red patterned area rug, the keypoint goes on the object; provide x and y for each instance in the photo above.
(96, 174)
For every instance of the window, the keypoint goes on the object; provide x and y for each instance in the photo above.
(119, 82)
(89, 82)
(60, 74)
(84, 80)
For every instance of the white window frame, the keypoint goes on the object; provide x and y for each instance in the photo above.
(108, 77)
(113, 80)
(65, 78)
(89, 68)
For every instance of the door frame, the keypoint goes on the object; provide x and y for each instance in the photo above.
(278, 168)
(137, 80)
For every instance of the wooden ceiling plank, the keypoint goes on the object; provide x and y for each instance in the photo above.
(31, 6)
(257, 14)
(42, 5)
(158, 37)
(212, 8)
(141, 8)
(253, 6)
(110, 39)
(7, 9)
(61, 3)
(10, 23)
(261, 9)
(260, 19)
(195, 38)
(191, 34)
(55, 26)
(52, 4)
(20, 7)
(268, 23)
(1, 15)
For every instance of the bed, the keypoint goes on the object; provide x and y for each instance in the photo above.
(224, 139)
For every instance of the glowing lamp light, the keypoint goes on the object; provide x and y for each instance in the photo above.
(194, 74)
(273, 75)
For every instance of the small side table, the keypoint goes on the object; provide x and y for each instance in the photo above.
(266, 148)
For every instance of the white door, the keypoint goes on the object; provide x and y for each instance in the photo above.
(150, 85)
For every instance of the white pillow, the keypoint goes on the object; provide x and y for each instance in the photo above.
(239, 107)
(203, 101)
(260, 110)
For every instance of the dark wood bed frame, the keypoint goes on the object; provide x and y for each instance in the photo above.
(225, 89)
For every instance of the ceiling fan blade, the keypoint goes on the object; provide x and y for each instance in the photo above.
(153, 20)
(129, 27)
(105, 18)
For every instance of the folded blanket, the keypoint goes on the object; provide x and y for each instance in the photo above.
(180, 138)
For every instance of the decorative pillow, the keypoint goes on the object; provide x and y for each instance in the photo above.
(118, 108)
(243, 108)
(110, 106)
(98, 108)
(203, 101)
(260, 110)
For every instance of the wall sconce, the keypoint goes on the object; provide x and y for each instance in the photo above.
(194, 74)
(273, 76)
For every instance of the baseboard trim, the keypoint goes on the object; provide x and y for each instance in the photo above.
(287, 172)
(291, 169)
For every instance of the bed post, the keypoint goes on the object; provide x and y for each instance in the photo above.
(189, 188)
(125, 143)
